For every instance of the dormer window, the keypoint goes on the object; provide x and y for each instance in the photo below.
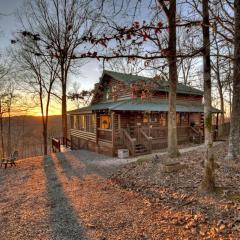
(108, 94)
(114, 92)
(134, 90)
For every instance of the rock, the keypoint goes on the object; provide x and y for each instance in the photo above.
(194, 231)
(90, 225)
(236, 228)
(171, 166)
(222, 227)
(220, 222)
(237, 220)
(202, 233)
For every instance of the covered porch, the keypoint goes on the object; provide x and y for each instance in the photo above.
(141, 132)
(140, 127)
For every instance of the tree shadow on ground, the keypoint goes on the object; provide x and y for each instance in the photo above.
(79, 164)
(66, 163)
(63, 220)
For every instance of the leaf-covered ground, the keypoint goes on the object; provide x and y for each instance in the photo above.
(70, 196)
(215, 216)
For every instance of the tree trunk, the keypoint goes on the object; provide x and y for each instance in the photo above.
(45, 135)
(44, 119)
(1, 128)
(64, 111)
(23, 137)
(208, 182)
(173, 79)
(222, 127)
(233, 147)
(220, 91)
(9, 142)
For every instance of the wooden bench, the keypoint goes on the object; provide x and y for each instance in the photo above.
(11, 160)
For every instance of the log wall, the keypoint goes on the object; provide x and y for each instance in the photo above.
(113, 89)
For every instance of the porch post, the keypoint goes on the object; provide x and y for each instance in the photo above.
(113, 133)
(96, 126)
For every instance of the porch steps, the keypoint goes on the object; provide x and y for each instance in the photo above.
(140, 149)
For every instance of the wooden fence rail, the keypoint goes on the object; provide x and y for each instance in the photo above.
(56, 145)
(57, 142)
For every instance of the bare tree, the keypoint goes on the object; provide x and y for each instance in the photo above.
(208, 182)
(57, 27)
(7, 98)
(39, 74)
(173, 78)
(233, 148)
(80, 97)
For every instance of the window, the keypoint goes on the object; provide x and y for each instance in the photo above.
(163, 119)
(145, 118)
(153, 117)
(184, 118)
(87, 123)
(93, 122)
(105, 122)
(74, 121)
(108, 94)
(178, 119)
(82, 122)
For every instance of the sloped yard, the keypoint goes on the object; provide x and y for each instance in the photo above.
(70, 196)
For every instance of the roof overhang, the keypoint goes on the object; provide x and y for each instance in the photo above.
(146, 106)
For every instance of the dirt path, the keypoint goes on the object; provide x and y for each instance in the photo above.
(104, 166)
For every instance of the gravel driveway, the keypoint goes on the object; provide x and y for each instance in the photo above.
(82, 162)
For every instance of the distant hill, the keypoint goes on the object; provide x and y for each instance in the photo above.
(26, 134)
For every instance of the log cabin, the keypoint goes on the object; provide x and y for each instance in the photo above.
(130, 112)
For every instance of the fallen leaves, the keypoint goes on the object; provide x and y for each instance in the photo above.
(179, 190)
(136, 203)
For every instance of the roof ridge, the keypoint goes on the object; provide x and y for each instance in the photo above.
(128, 74)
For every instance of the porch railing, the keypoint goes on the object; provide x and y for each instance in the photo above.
(57, 142)
(104, 135)
(145, 140)
(128, 141)
(56, 145)
(183, 133)
(195, 135)
(156, 132)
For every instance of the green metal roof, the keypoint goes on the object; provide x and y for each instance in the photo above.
(163, 85)
(83, 109)
(139, 105)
